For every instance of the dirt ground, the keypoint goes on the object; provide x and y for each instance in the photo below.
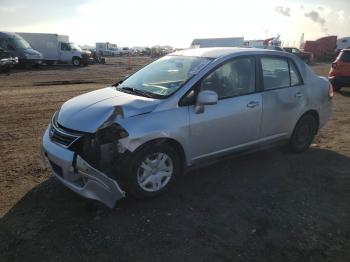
(267, 206)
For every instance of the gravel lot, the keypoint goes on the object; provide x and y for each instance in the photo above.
(267, 206)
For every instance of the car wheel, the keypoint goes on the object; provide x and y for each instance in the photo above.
(303, 134)
(76, 61)
(152, 170)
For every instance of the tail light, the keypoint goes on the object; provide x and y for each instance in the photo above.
(330, 91)
(334, 65)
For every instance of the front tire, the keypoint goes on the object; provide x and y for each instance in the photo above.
(76, 61)
(152, 170)
(303, 134)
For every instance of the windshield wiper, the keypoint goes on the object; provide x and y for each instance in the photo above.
(136, 91)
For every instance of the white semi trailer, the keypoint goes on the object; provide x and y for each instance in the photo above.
(218, 42)
(57, 48)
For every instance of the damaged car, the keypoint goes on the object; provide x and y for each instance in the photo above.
(187, 108)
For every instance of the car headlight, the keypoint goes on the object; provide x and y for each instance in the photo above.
(111, 134)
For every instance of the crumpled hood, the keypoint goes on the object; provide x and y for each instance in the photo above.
(89, 111)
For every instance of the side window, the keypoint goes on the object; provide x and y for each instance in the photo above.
(234, 78)
(294, 76)
(275, 72)
(345, 56)
(64, 47)
(3, 43)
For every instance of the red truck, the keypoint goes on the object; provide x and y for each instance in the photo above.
(324, 48)
(308, 57)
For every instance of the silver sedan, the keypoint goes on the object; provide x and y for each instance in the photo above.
(184, 109)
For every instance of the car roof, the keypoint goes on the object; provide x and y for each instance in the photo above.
(216, 52)
(7, 34)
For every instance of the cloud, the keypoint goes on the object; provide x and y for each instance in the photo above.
(285, 11)
(316, 17)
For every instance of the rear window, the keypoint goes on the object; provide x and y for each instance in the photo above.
(345, 56)
(279, 72)
(275, 72)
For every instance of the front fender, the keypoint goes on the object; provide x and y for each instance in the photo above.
(168, 124)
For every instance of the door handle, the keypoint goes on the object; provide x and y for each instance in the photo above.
(298, 95)
(253, 104)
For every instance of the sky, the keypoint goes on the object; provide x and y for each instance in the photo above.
(176, 22)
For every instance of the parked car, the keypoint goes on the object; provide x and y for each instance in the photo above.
(308, 57)
(124, 51)
(107, 49)
(339, 74)
(7, 61)
(57, 49)
(184, 109)
(20, 48)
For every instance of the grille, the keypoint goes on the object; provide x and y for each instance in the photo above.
(61, 136)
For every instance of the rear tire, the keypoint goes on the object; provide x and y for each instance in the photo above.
(137, 172)
(303, 134)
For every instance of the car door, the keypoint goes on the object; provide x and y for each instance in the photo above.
(283, 97)
(65, 52)
(234, 121)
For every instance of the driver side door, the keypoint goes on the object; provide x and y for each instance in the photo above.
(234, 122)
(65, 52)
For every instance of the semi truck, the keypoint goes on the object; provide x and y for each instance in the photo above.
(16, 46)
(57, 49)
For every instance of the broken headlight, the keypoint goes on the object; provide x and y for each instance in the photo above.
(110, 134)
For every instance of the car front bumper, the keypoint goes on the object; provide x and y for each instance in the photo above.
(76, 174)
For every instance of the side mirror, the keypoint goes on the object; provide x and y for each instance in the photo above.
(206, 97)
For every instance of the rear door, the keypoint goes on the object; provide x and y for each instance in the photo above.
(283, 96)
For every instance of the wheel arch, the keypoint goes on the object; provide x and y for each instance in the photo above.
(167, 141)
(311, 112)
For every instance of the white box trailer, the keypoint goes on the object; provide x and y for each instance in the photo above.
(343, 43)
(107, 49)
(57, 48)
(218, 42)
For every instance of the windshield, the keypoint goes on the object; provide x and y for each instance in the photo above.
(166, 75)
(74, 47)
(19, 43)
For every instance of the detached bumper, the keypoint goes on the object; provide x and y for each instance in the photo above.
(87, 60)
(75, 173)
